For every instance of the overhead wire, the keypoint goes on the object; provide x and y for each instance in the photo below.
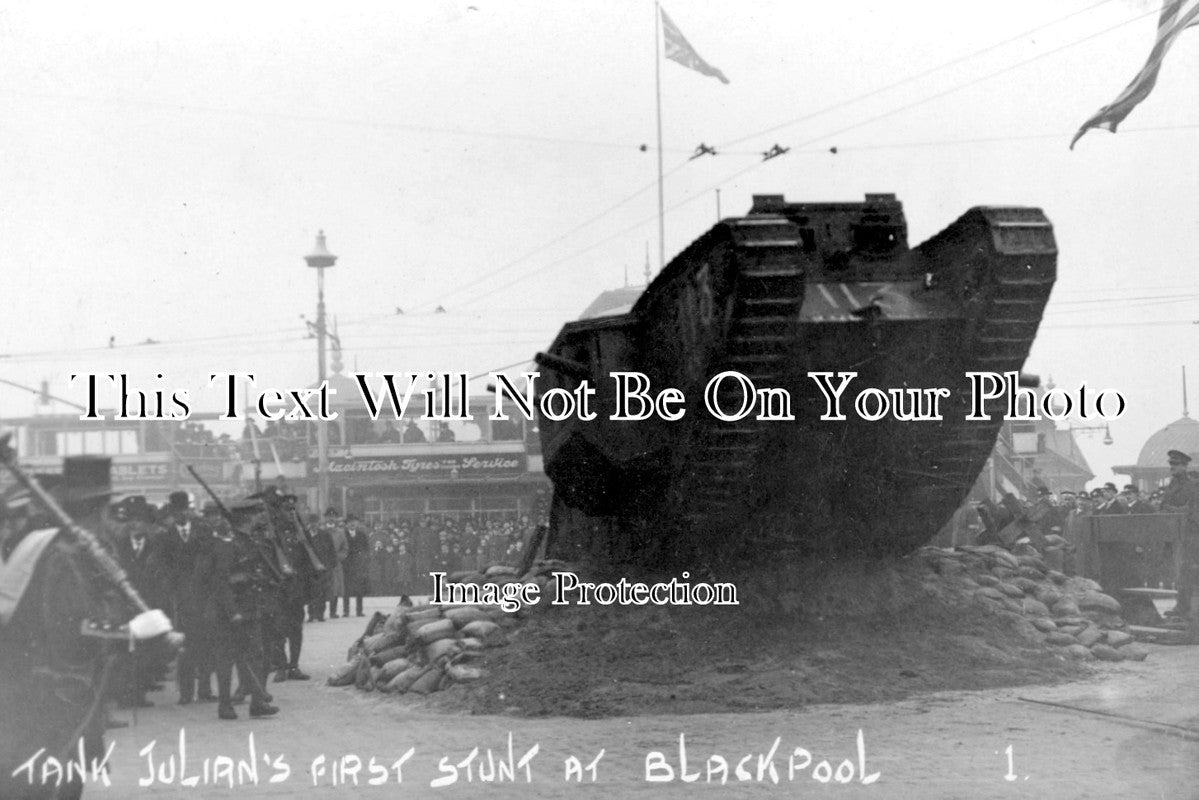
(911, 78)
(875, 118)
(291, 116)
(493, 273)
(546, 245)
(932, 70)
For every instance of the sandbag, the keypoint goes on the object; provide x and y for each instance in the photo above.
(487, 632)
(427, 682)
(405, 679)
(424, 614)
(470, 644)
(383, 641)
(390, 654)
(463, 673)
(393, 668)
(343, 675)
(362, 675)
(441, 648)
(432, 631)
(464, 615)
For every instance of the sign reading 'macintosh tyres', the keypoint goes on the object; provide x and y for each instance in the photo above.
(428, 467)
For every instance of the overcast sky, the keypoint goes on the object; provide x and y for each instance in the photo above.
(164, 168)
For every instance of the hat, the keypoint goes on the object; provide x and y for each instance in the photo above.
(133, 508)
(1177, 457)
(178, 501)
(1110, 485)
(1096, 493)
(1128, 487)
(84, 479)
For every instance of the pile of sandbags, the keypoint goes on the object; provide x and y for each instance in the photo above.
(426, 648)
(421, 649)
(1071, 613)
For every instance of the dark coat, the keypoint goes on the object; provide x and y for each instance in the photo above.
(357, 563)
(52, 676)
(185, 543)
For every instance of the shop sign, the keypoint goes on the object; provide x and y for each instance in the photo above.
(438, 468)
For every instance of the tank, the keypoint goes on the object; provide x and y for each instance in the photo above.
(787, 290)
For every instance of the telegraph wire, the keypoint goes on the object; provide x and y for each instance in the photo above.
(915, 77)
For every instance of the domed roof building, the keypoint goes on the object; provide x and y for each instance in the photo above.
(1151, 469)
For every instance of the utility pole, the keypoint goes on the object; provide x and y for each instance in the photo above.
(320, 259)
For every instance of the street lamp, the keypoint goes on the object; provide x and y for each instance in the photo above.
(1106, 428)
(319, 259)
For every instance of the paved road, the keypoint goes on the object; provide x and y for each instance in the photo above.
(986, 744)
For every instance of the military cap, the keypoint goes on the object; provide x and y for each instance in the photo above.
(1096, 493)
(133, 508)
(1110, 485)
(1177, 457)
(1131, 489)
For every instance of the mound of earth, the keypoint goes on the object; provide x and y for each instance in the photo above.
(839, 632)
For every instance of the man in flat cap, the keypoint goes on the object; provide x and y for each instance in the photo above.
(1181, 495)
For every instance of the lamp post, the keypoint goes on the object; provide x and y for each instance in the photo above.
(319, 259)
(1106, 428)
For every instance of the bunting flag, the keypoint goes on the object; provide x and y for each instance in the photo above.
(1172, 22)
(679, 50)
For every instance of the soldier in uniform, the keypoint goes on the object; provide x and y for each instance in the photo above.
(1182, 495)
(286, 633)
(63, 619)
(239, 580)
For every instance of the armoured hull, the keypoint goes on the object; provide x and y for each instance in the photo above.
(789, 290)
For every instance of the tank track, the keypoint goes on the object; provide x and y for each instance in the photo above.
(769, 292)
(1000, 334)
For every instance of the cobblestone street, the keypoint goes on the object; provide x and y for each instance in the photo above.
(937, 746)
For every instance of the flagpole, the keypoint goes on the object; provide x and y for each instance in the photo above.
(658, 97)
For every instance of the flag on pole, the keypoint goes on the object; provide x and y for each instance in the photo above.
(679, 50)
(1172, 22)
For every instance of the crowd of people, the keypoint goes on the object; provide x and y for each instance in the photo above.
(239, 581)
(1055, 523)
(405, 550)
